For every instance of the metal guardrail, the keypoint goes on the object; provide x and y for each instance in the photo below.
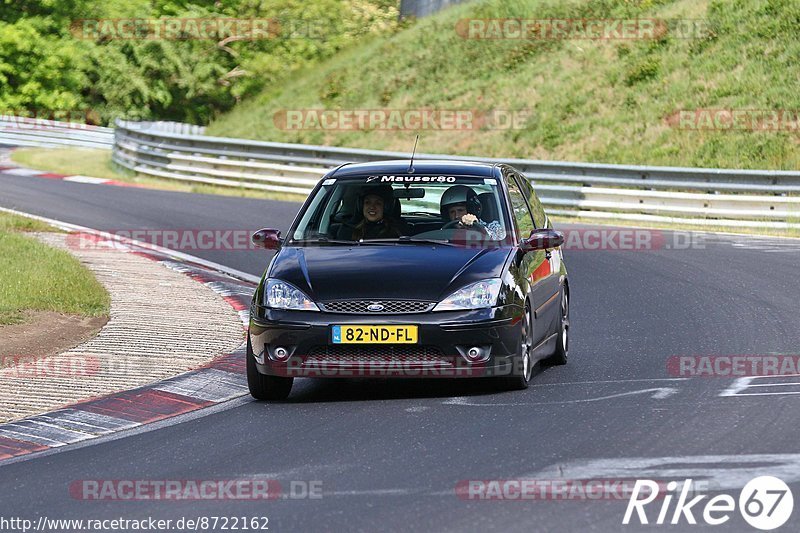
(711, 197)
(23, 131)
(666, 194)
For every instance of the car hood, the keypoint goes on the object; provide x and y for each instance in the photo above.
(411, 272)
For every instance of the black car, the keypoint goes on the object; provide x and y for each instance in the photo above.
(446, 269)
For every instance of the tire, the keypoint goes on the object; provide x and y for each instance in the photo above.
(562, 345)
(523, 368)
(274, 388)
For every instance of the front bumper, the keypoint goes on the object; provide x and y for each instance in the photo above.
(442, 351)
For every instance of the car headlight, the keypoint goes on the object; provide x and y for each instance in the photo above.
(476, 295)
(282, 295)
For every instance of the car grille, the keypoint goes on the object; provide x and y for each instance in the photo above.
(390, 307)
(372, 354)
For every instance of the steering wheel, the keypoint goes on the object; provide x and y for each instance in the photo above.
(474, 227)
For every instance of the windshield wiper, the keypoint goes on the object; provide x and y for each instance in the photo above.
(326, 240)
(406, 239)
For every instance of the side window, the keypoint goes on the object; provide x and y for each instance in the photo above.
(520, 207)
(539, 216)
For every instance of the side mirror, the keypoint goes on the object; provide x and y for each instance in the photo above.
(269, 239)
(542, 239)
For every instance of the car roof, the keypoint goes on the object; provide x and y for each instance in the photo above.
(421, 168)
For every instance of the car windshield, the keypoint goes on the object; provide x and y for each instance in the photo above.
(382, 209)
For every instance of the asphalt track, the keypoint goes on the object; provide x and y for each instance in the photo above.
(389, 454)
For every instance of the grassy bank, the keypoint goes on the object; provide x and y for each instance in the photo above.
(612, 101)
(69, 161)
(36, 277)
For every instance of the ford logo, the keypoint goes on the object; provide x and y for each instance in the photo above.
(375, 308)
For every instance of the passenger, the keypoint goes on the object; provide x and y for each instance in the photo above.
(376, 205)
(461, 208)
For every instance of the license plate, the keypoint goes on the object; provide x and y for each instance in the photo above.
(375, 335)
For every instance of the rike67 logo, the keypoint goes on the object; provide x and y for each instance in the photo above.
(765, 503)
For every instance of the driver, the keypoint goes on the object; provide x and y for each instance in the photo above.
(461, 208)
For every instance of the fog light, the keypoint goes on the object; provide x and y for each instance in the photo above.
(475, 354)
(281, 353)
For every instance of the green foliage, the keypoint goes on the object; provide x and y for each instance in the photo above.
(47, 64)
(647, 69)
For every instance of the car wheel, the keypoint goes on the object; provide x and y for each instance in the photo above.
(523, 367)
(562, 345)
(265, 387)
